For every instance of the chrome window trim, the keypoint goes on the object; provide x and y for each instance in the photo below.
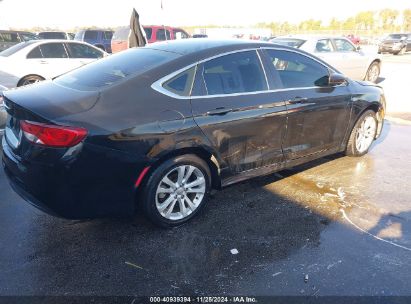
(158, 85)
(263, 68)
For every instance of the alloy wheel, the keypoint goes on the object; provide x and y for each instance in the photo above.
(373, 73)
(365, 134)
(180, 192)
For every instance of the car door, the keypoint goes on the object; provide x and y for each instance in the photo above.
(244, 122)
(81, 54)
(318, 114)
(49, 60)
(354, 63)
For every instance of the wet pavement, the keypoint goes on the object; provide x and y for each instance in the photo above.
(336, 226)
(344, 222)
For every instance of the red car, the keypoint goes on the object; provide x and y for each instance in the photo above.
(154, 33)
(354, 39)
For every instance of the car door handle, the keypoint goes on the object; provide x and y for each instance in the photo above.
(219, 111)
(43, 62)
(297, 100)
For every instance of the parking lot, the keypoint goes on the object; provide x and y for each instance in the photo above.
(336, 226)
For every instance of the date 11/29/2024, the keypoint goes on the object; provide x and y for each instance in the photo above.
(205, 299)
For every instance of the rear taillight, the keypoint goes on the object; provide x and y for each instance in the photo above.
(51, 135)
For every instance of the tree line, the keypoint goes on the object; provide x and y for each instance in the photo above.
(386, 20)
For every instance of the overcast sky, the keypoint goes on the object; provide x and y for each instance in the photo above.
(68, 14)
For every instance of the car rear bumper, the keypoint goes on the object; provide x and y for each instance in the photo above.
(74, 191)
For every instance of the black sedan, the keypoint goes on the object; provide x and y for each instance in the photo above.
(3, 114)
(160, 126)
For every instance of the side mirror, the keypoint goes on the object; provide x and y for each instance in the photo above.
(403, 38)
(336, 79)
(358, 48)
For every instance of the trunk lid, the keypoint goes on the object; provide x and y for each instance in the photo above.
(47, 101)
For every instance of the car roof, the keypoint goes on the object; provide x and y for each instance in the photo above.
(192, 46)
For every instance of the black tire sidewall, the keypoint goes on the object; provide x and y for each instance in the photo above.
(150, 188)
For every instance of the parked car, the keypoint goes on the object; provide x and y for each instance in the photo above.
(54, 35)
(200, 36)
(395, 44)
(3, 114)
(10, 38)
(34, 61)
(98, 38)
(339, 52)
(161, 126)
(154, 33)
(354, 39)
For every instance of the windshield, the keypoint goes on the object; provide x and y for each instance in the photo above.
(292, 42)
(15, 48)
(115, 68)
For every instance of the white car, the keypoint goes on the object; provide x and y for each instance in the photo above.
(37, 60)
(340, 53)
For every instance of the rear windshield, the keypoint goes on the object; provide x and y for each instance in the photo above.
(52, 35)
(115, 68)
(15, 48)
(296, 43)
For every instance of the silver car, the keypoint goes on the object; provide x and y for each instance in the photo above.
(340, 53)
(3, 114)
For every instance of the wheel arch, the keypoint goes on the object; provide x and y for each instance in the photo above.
(201, 152)
(377, 60)
(29, 75)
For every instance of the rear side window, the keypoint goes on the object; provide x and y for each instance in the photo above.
(234, 73)
(53, 50)
(324, 46)
(297, 71)
(35, 53)
(91, 35)
(343, 45)
(182, 83)
(149, 32)
(161, 35)
(78, 50)
(115, 68)
(108, 35)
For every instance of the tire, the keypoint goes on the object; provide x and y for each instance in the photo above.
(355, 146)
(402, 52)
(170, 207)
(373, 72)
(29, 80)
